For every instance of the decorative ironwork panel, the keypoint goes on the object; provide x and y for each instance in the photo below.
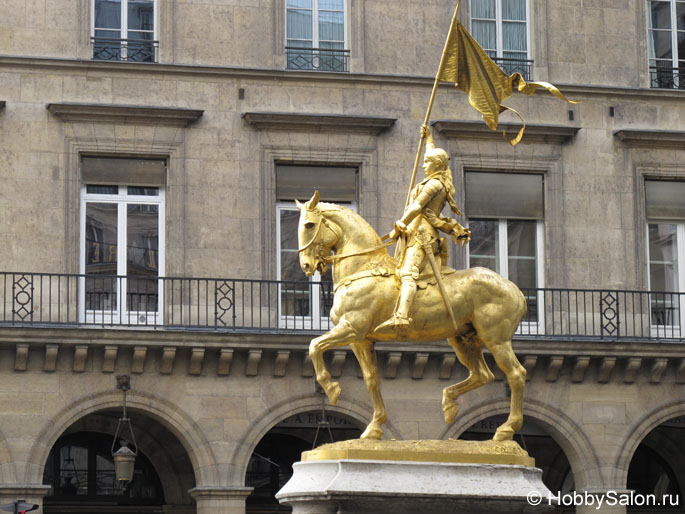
(112, 49)
(224, 303)
(667, 78)
(509, 66)
(609, 309)
(22, 298)
(319, 59)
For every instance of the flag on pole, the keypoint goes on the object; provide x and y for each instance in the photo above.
(475, 73)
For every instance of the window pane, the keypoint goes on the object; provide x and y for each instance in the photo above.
(106, 482)
(102, 190)
(331, 26)
(663, 263)
(680, 15)
(140, 15)
(485, 34)
(659, 14)
(143, 191)
(660, 45)
(335, 5)
(483, 244)
(108, 14)
(295, 290)
(483, 9)
(514, 10)
(514, 36)
(142, 256)
(522, 272)
(73, 473)
(101, 256)
(303, 4)
(299, 24)
(289, 220)
(521, 238)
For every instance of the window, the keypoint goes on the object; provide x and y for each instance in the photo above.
(122, 240)
(505, 214)
(501, 28)
(666, 26)
(124, 30)
(304, 302)
(80, 469)
(316, 35)
(666, 255)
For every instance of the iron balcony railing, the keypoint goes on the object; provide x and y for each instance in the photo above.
(667, 78)
(509, 66)
(235, 305)
(117, 49)
(319, 59)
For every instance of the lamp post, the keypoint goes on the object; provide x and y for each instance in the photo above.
(124, 458)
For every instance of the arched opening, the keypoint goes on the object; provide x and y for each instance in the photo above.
(80, 469)
(549, 457)
(270, 465)
(658, 466)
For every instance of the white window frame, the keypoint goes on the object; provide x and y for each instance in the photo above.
(317, 320)
(502, 260)
(498, 22)
(673, 30)
(120, 316)
(669, 330)
(123, 30)
(315, 23)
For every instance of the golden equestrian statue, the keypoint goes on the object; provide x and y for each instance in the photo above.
(487, 309)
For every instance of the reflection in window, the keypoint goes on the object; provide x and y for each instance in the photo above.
(80, 466)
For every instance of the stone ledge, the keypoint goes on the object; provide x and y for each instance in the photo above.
(125, 114)
(318, 122)
(666, 139)
(534, 133)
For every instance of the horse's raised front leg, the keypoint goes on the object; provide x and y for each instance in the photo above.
(340, 335)
(366, 355)
(470, 354)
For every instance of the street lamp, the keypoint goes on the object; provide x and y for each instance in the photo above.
(124, 458)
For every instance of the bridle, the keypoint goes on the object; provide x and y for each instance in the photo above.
(328, 259)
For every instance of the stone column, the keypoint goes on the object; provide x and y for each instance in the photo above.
(220, 499)
(30, 493)
(612, 501)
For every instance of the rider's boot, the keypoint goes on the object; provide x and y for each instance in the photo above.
(401, 318)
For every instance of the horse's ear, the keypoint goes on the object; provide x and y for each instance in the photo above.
(299, 205)
(314, 200)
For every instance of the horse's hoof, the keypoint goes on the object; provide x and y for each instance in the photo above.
(503, 434)
(450, 410)
(372, 432)
(333, 392)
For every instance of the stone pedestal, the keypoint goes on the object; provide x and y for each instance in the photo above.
(415, 485)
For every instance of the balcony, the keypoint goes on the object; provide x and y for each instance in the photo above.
(269, 306)
(666, 78)
(318, 59)
(509, 66)
(116, 49)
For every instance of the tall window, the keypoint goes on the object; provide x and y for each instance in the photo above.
(316, 35)
(306, 302)
(665, 203)
(666, 24)
(124, 30)
(122, 240)
(505, 213)
(501, 28)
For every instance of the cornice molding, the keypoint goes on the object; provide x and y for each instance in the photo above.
(318, 122)
(535, 133)
(125, 114)
(667, 139)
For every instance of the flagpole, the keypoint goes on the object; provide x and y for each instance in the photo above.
(428, 112)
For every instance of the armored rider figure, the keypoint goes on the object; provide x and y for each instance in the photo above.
(419, 227)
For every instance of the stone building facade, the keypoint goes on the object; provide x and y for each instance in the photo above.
(150, 154)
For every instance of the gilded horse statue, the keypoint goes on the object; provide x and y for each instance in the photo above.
(487, 307)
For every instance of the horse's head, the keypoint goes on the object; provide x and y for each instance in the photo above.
(315, 237)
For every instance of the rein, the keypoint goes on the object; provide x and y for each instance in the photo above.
(327, 259)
